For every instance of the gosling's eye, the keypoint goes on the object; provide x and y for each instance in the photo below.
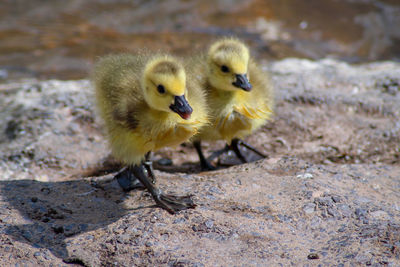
(224, 68)
(161, 89)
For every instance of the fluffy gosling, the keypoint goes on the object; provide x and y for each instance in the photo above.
(147, 103)
(239, 96)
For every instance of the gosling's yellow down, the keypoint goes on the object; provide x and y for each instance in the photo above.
(147, 103)
(239, 95)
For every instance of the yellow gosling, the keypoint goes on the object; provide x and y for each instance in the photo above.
(239, 96)
(147, 102)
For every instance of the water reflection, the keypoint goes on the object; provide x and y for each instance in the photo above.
(61, 39)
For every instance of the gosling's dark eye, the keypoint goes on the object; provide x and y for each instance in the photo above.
(224, 68)
(161, 89)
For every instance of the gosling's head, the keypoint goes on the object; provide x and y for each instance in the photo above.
(164, 85)
(228, 61)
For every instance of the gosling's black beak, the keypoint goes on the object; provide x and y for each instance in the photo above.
(242, 82)
(182, 107)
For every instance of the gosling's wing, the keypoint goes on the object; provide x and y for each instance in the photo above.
(117, 82)
(262, 95)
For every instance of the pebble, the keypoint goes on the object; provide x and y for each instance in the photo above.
(209, 224)
(324, 201)
(179, 220)
(306, 175)
(333, 212)
(380, 215)
(309, 208)
(342, 228)
(71, 229)
(165, 162)
(359, 212)
(345, 210)
(214, 189)
(362, 200)
(313, 256)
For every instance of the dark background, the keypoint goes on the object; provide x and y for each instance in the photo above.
(61, 39)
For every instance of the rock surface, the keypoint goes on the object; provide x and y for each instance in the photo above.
(327, 194)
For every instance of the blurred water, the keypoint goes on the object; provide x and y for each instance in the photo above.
(61, 39)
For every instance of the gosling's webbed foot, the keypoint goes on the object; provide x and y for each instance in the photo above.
(127, 180)
(170, 203)
(250, 147)
(173, 204)
(235, 146)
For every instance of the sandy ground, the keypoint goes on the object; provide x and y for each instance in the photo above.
(327, 194)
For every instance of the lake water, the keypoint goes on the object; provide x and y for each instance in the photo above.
(62, 39)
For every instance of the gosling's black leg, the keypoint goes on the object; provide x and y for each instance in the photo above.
(149, 167)
(170, 203)
(205, 164)
(235, 147)
(250, 147)
(127, 180)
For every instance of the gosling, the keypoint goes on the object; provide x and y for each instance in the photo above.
(147, 103)
(239, 96)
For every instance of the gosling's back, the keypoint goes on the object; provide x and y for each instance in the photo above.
(117, 82)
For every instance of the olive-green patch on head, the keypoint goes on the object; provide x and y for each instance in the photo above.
(232, 53)
(166, 67)
(169, 73)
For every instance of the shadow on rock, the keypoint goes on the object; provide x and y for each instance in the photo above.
(59, 210)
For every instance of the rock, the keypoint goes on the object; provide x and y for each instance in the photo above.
(345, 210)
(209, 224)
(58, 196)
(165, 162)
(336, 199)
(305, 176)
(359, 212)
(309, 208)
(324, 201)
(380, 215)
(333, 212)
(313, 256)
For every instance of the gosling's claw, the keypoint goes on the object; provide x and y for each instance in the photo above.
(174, 204)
